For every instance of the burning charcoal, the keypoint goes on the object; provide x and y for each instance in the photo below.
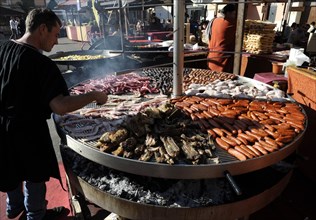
(149, 190)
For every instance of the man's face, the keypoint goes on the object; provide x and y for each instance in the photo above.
(49, 39)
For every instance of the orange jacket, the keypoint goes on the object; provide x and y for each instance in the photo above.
(222, 39)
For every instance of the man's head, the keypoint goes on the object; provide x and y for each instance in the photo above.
(39, 16)
(43, 25)
(229, 11)
(294, 26)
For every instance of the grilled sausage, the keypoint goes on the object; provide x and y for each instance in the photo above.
(222, 143)
(243, 140)
(218, 131)
(238, 142)
(211, 132)
(254, 150)
(247, 137)
(243, 151)
(260, 148)
(237, 154)
(228, 141)
(249, 133)
(284, 139)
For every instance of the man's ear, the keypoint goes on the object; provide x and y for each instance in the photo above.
(42, 27)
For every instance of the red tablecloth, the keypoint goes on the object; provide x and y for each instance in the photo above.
(145, 41)
(161, 35)
(269, 77)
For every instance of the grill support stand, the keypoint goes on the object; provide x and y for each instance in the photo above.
(81, 192)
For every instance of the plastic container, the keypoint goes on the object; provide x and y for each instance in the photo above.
(277, 68)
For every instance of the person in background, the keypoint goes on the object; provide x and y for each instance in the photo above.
(95, 34)
(204, 38)
(21, 27)
(155, 22)
(288, 30)
(194, 29)
(168, 25)
(31, 88)
(14, 28)
(298, 37)
(63, 32)
(17, 21)
(139, 27)
(222, 40)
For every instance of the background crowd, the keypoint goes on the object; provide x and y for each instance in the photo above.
(17, 27)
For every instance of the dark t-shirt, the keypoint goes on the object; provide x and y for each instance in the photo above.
(29, 80)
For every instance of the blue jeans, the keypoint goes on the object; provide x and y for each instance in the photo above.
(30, 195)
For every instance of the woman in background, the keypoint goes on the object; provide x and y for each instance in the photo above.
(222, 40)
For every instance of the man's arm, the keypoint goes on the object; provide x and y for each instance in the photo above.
(65, 104)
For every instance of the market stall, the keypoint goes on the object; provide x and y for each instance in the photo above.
(225, 158)
(302, 87)
(78, 33)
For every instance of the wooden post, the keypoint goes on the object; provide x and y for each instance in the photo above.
(239, 36)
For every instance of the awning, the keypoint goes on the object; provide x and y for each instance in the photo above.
(83, 3)
(7, 11)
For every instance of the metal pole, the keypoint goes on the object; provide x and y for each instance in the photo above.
(285, 16)
(120, 25)
(239, 37)
(178, 53)
(80, 25)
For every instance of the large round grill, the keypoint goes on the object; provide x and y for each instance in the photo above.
(180, 171)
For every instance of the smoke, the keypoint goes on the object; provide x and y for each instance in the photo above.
(97, 69)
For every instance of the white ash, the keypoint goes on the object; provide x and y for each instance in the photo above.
(149, 190)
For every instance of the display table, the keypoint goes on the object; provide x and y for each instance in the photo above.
(160, 35)
(271, 79)
(253, 63)
(302, 84)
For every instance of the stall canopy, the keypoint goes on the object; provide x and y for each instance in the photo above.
(7, 11)
(83, 3)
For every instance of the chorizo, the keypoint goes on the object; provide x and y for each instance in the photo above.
(237, 154)
(247, 137)
(261, 149)
(228, 141)
(218, 131)
(254, 150)
(222, 143)
(244, 152)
